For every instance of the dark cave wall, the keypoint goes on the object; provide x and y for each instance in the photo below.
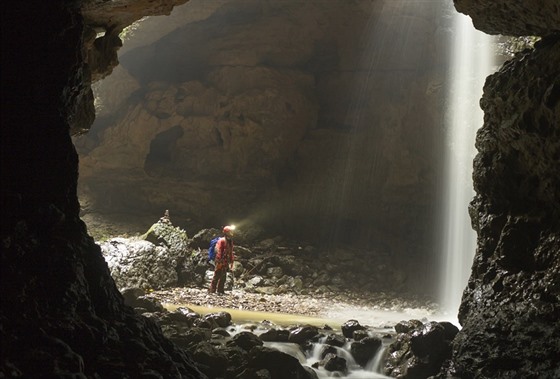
(511, 306)
(61, 314)
(512, 301)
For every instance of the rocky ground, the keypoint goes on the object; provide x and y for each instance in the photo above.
(271, 275)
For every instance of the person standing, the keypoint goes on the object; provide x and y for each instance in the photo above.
(224, 260)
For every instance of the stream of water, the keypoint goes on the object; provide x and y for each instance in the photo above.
(379, 323)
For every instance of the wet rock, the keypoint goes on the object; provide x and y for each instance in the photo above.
(325, 350)
(359, 334)
(349, 327)
(450, 330)
(430, 340)
(245, 340)
(222, 319)
(278, 364)
(238, 268)
(274, 335)
(364, 350)
(408, 326)
(419, 352)
(322, 279)
(332, 362)
(210, 360)
(303, 334)
(335, 340)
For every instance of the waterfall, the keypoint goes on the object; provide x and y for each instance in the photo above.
(471, 62)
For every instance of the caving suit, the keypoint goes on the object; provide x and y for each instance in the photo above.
(224, 258)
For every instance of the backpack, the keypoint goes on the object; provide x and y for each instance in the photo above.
(212, 249)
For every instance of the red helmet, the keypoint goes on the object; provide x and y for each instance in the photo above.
(229, 229)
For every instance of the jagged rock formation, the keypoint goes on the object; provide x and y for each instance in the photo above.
(510, 308)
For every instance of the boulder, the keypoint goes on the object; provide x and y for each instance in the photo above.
(139, 263)
(245, 340)
(335, 340)
(332, 362)
(275, 335)
(210, 360)
(365, 350)
(349, 327)
(303, 334)
(280, 365)
(222, 319)
(419, 351)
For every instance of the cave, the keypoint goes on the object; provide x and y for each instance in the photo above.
(62, 315)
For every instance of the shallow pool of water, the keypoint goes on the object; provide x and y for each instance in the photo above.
(243, 316)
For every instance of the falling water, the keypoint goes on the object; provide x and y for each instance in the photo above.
(471, 63)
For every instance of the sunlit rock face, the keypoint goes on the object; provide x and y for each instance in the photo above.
(314, 119)
(510, 308)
